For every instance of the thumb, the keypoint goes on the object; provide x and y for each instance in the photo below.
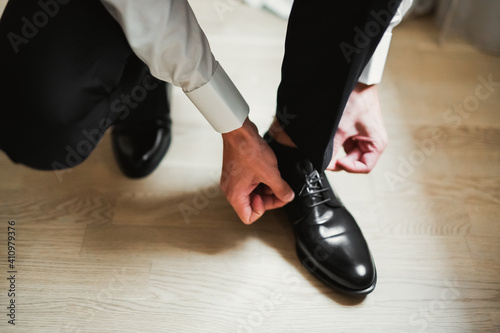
(280, 188)
(338, 142)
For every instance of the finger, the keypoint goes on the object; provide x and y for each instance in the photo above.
(241, 199)
(243, 208)
(352, 166)
(349, 143)
(257, 206)
(364, 164)
(354, 154)
(352, 162)
(268, 197)
(372, 150)
(338, 142)
(269, 200)
(272, 202)
(261, 203)
(279, 187)
(263, 189)
(362, 155)
(370, 159)
(340, 164)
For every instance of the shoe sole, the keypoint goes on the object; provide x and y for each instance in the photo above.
(317, 272)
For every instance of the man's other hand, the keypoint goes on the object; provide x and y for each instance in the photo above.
(361, 132)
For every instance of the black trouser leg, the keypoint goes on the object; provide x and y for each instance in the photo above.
(67, 74)
(328, 44)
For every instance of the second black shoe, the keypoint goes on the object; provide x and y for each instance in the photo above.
(139, 145)
(329, 242)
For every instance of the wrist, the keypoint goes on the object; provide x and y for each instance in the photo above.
(360, 87)
(245, 132)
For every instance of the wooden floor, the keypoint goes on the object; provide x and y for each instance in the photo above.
(97, 252)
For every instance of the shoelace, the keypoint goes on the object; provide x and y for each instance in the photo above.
(314, 188)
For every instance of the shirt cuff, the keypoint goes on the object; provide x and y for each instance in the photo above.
(372, 74)
(220, 102)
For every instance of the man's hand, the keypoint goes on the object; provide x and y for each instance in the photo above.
(361, 132)
(250, 176)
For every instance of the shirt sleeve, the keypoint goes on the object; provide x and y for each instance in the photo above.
(372, 73)
(167, 37)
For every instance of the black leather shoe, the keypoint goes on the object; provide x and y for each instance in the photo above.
(329, 242)
(139, 146)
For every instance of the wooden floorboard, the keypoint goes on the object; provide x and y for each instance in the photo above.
(97, 252)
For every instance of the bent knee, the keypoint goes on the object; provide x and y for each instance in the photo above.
(50, 148)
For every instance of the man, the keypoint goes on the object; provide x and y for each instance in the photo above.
(70, 70)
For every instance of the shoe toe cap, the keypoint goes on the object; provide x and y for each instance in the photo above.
(347, 266)
(360, 276)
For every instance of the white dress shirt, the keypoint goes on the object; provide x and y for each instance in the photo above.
(167, 37)
(372, 74)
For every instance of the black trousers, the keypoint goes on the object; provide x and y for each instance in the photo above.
(67, 74)
(328, 44)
